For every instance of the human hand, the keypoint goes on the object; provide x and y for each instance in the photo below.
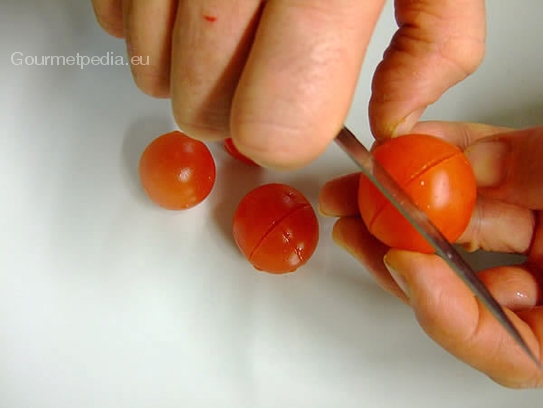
(279, 76)
(508, 218)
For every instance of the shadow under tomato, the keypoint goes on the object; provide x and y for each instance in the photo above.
(234, 180)
(138, 135)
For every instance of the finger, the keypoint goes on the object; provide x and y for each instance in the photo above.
(491, 226)
(514, 287)
(352, 235)
(461, 134)
(499, 227)
(494, 226)
(212, 39)
(148, 27)
(438, 44)
(339, 197)
(300, 78)
(509, 167)
(109, 14)
(455, 319)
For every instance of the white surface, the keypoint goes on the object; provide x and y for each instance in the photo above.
(107, 301)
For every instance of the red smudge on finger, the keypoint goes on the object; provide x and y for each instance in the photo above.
(211, 19)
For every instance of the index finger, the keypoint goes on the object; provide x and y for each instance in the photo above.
(297, 86)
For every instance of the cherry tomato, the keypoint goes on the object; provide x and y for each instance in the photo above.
(235, 153)
(439, 179)
(176, 171)
(276, 228)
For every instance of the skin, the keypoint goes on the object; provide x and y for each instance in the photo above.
(236, 77)
(266, 72)
(508, 218)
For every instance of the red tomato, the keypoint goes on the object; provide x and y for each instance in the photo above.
(235, 153)
(439, 179)
(276, 228)
(176, 171)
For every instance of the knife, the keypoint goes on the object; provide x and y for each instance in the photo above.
(420, 221)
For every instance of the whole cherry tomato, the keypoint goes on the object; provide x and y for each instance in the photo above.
(439, 179)
(176, 171)
(276, 228)
(235, 153)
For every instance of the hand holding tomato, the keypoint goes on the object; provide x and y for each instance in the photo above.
(508, 217)
(279, 76)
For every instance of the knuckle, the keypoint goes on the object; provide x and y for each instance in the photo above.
(462, 54)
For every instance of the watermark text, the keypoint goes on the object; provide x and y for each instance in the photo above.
(79, 60)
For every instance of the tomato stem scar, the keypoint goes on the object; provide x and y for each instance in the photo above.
(211, 19)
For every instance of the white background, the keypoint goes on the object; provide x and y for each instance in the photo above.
(108, 301)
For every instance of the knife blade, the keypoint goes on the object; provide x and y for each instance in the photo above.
(348, 142)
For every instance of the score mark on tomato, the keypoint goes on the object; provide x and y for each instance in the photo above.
(276, 228)
(436, 175)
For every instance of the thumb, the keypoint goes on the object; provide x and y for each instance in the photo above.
(509, 167)
(449, 313)
(438, 44)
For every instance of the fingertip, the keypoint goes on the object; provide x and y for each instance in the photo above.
(437, 45)
(397, 274)
(152, 82)
(296, 88)
(196, 123)
(148, 27)
(112, 27)
(338, 233)
(109, 15)
(426, 275)
(210, 45)
(388, 121)
(442, 303)
(339, 197)
(278, 146)
(351, 234)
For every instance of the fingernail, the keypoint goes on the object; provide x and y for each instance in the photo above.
(339, 241)
(406, 124)
(322, 211)
(489, 160)
(322, 203)
(398, 277)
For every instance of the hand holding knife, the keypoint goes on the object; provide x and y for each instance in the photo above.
(418, 219)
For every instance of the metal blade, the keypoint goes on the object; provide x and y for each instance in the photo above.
(397, 197)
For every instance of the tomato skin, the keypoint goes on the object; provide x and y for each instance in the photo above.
(236, 154)
(176, 171)
(439, 179)
(276, 228)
